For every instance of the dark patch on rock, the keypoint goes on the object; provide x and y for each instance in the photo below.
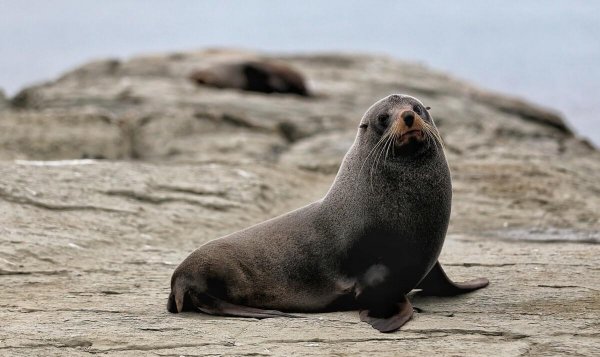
(24, 98)
(289, 131)
(3, 101)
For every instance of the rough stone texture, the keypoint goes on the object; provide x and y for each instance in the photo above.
(31, 134)
(87, 246)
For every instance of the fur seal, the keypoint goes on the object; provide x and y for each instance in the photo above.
(374, 237)
(253, 75)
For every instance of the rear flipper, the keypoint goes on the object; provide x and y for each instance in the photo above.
(391, 321)
(437, 283)
(215, 306)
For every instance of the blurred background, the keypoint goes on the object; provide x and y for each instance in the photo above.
(547, 52)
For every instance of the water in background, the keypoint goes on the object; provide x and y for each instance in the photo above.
(546, 51)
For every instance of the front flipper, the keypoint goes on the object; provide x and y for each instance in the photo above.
(403, 312)
(215, 306)
(437, 283)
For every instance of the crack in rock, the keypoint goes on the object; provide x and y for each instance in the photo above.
(391, 337)
(565, 287)
(64, 343)
(192, 190)
(55, 206)
(217, 203)
(33, 272)
(491, 265)
(504, 334)
(156, 347)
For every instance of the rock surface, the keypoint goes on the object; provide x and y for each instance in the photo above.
(153, 166)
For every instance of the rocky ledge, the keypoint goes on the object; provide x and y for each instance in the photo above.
(145, 166)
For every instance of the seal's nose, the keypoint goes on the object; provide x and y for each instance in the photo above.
(408, 117)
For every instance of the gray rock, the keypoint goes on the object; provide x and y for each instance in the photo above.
(321, 153)
(60, 134)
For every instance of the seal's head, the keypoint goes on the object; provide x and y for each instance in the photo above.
(401, 125)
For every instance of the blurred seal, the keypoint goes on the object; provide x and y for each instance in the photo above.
(374, 237)
(253, 75)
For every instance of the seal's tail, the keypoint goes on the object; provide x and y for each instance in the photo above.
(182, 298)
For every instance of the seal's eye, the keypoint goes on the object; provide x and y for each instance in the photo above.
(417, 109)
(383, 118)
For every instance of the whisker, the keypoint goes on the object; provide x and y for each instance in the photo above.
(383, 150)
(392, 140)
(378, 157)
(371, 152)
(390, 144)
(432, 132)
(394, 135)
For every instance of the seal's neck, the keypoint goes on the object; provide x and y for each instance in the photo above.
(367, 184)
(362, 164)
